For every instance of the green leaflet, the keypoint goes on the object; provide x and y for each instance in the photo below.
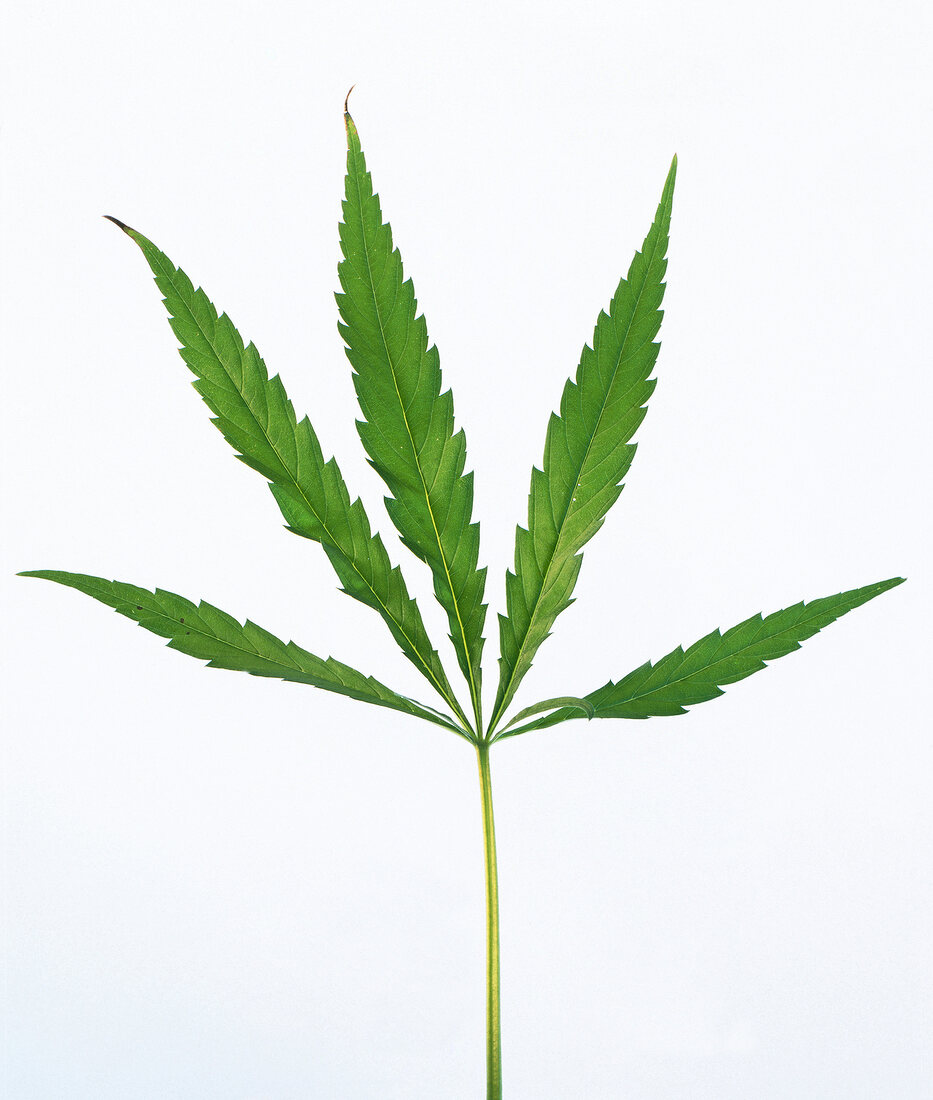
(204, 631)
(586, 454)
(408, 425)
(684, 678)
(562, 702)
(256, 417)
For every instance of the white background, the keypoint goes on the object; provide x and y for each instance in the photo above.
(223, 887)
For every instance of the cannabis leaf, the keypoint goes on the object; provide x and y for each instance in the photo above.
(204, 631)
(408, 431)
(586, 454)
(684, 678)
(408, 425)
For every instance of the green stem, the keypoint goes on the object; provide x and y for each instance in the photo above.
(493, 1028)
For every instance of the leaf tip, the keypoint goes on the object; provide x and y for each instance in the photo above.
(352, 133)
(669, 182)
(117, 222)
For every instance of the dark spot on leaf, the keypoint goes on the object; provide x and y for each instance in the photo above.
(181, 620)
(139, 607)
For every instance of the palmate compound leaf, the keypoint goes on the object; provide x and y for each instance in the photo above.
(408, 425)
(686, 677)
(587, 453)
(255, 416)
(204, 631)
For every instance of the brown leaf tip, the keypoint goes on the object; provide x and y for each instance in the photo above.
(116, 221)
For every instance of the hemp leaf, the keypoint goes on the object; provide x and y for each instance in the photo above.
(410, 435)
